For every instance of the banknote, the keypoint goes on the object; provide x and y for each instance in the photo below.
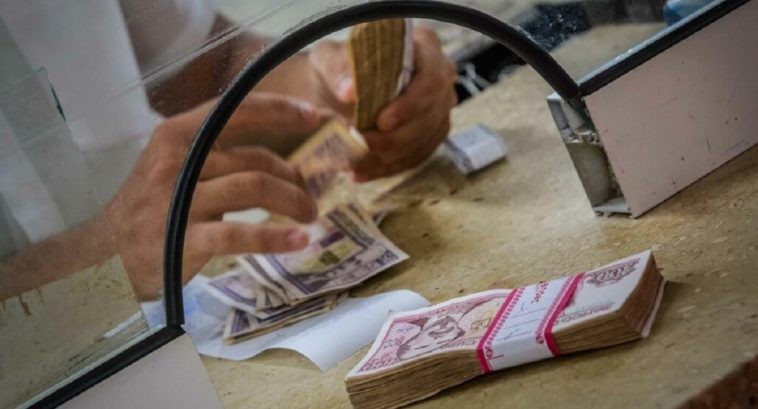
(332, 150)
(605, 289)
(372, 218)
(242, 325)
(262, 297)
(460, 323)
(236, 288)
(348, 251)
(420, 353)
(265, 299)
(381, 59)
(284, 311)
(270, 300)
(378, 217)
(457, 324)
(369, 220)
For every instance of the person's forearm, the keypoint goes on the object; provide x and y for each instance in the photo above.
(210, 73)
(293, 77)
(202, 78)
(56, 257)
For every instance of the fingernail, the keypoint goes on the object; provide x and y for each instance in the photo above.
(297, 239)
(389, 123)
(307, 111)
(344, 88)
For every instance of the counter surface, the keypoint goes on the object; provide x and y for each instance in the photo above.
(527, 219)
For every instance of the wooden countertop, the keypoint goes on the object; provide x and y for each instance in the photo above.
(527, 219)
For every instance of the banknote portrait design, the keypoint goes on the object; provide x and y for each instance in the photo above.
(344, 253)
(452, 329)
(435, 335)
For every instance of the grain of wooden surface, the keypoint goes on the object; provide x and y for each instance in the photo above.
(527, 219)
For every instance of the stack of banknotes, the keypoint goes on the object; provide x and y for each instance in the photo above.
(381, 61)
(269, 291)
(419, 353)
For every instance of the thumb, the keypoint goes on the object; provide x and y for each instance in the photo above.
(330, 61)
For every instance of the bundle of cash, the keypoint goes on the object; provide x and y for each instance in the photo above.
(382, 64)
(419, 353)
(381, 55)
(269, 291)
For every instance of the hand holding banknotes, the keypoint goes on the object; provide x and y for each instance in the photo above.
(410, 127)
(232, 179)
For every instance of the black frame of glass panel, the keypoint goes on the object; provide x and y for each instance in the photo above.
(101, 372)
(511, 37)
(656, 45)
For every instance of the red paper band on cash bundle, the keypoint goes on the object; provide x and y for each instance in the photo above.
(521, 331)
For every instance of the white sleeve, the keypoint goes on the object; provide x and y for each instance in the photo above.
(27, 198)
(164, 31)
(84, 47)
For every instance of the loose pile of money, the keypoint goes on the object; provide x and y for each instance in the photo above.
(270, 291)
(382, 63)
(419, 353)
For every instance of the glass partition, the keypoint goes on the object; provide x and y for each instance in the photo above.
(90, 145)
(481, 61)
(67, 301)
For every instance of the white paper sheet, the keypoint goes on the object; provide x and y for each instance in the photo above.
(326, 339)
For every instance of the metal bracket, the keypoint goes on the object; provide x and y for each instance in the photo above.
(590, 160)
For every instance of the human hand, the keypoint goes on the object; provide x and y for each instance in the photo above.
(231, 179)
(410, 127)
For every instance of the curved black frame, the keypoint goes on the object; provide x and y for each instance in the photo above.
(509, 36)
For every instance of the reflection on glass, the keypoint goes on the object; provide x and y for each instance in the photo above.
(549, 22)
(88, 171)
(66, 299)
